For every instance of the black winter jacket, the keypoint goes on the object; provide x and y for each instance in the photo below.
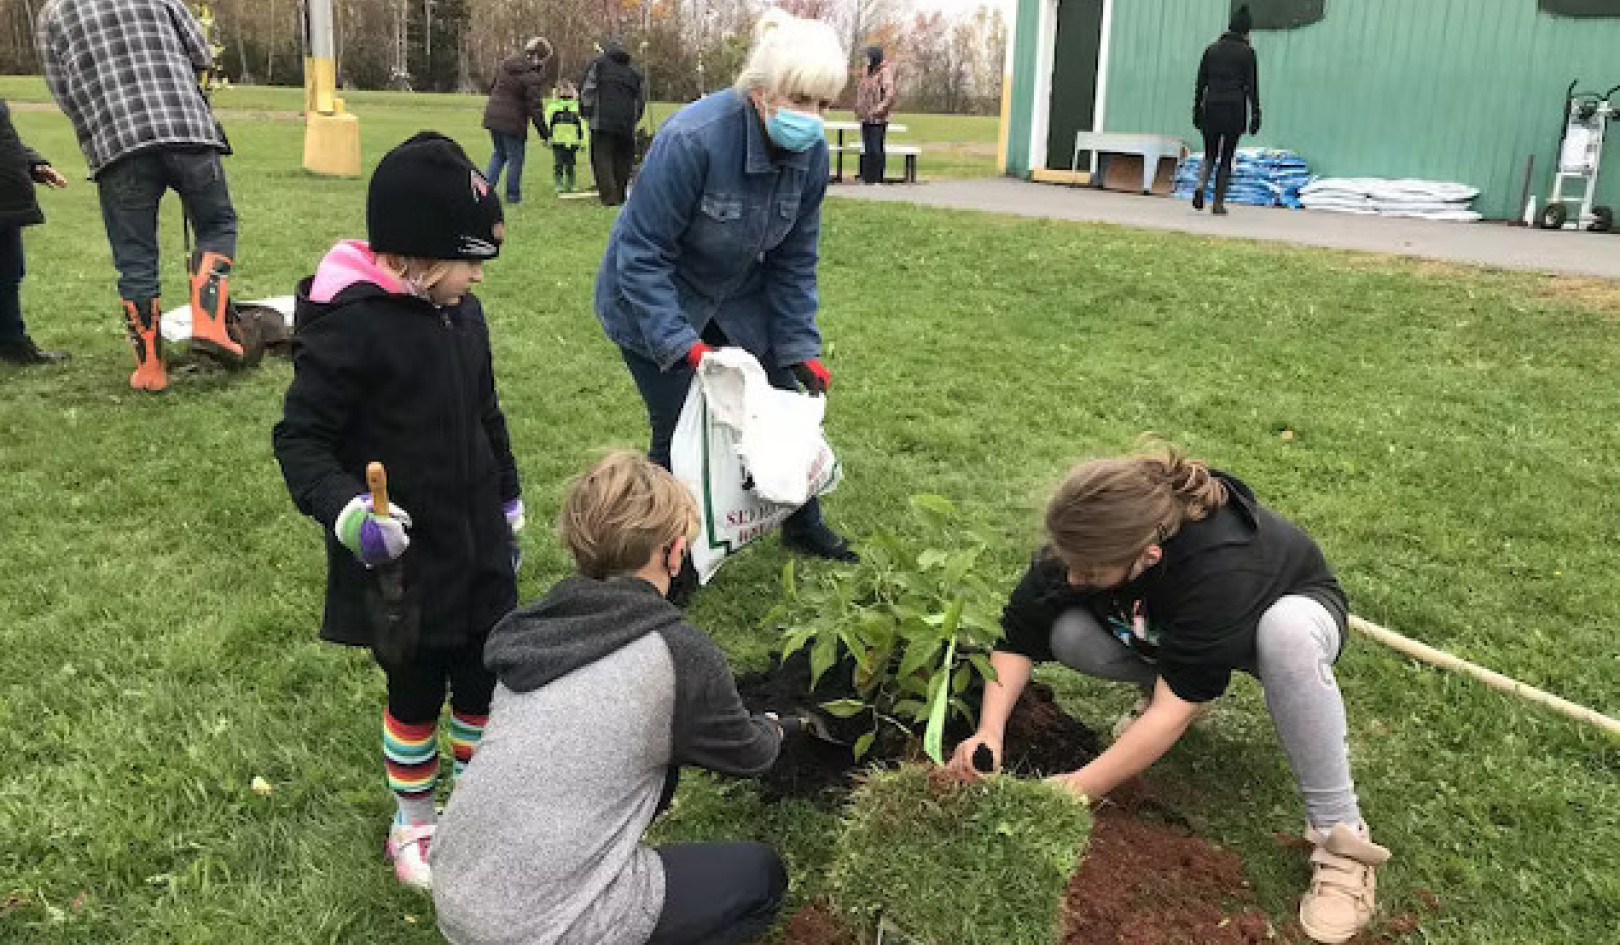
(614, 94)
(518, 97)
(1228, 75)
(18, 162)
(1201, 603)
(400, 380)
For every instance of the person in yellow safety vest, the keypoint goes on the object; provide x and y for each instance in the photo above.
(567, 134)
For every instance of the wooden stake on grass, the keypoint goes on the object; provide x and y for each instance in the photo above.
(1444, 660)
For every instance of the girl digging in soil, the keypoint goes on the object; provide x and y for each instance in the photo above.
(1164, 573)
(393, 364)
(605, 691)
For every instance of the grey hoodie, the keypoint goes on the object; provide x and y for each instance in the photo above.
(603, 688)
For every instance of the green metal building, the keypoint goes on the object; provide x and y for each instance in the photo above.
(1457, 90)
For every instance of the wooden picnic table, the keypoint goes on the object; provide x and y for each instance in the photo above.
(838, 149)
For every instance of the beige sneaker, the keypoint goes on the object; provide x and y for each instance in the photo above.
(1340, 901)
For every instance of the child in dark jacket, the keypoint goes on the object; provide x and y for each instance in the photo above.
(20, 169)
(605, 691)
(392, 364)
(1170, 575)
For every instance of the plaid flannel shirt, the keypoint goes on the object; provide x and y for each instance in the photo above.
(125, 72)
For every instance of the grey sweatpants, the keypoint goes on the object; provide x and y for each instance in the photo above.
(1297, 642)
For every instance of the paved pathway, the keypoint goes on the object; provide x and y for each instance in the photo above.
(1483, 244)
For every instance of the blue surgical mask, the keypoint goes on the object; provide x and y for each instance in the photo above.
(795, 130)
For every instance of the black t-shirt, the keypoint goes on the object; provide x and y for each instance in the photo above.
(1195, 613)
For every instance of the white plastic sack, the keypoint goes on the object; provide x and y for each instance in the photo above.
(750, 455)
(176, 325)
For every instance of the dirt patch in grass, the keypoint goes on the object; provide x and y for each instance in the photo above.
(1146, 881)
(1600, 294)
(816, 924)
(1041, 738)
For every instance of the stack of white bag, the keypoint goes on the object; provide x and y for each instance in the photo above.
(749, 453)
(1425, 199)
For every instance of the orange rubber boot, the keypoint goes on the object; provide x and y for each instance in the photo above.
(142, 319)
(210, 292)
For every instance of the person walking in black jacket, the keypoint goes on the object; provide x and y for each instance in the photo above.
(392, 364)
(20, 169)
(612, 98)
(1226, 98)
(517, 99)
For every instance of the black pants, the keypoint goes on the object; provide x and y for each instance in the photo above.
(11, 275)
(612, 156)
(872, 156)
(718, 893)
(1223, 126)
(130, 190)
(664, 393)
(416, 690)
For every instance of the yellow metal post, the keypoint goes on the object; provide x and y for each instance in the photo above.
(331, 135)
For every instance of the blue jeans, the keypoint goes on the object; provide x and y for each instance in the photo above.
(130, 191)
(11, 275)
(509, 153)
(664, 392)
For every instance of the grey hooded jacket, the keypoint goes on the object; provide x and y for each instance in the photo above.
(603, 688)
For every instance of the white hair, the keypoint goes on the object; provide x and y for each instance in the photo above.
(793, 56)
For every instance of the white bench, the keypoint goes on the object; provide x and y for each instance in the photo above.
(1152, 148)
(908, 151)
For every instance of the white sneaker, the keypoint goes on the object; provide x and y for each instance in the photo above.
(408, 848)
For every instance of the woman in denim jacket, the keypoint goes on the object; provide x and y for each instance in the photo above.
(717, 244)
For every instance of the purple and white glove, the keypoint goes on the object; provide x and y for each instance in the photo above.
(513, 509)
(374, 539)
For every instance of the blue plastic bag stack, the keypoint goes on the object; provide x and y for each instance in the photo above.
(1261, 177)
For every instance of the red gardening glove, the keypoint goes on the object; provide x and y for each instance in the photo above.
(813, 375)
(694, 354)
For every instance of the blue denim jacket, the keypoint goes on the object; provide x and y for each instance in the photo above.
(715, 229)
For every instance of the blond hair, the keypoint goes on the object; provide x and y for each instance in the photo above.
(1108, 511)
(793, 56)
(419, 273)
(622, 511)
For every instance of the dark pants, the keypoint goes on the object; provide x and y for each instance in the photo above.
(872, 157)
(664, 393)
(563, 158)
(718, 893)
(130, 191)
(612, 157)
(416, 690)
(509, 153)
(11, 276)
(1223, 126)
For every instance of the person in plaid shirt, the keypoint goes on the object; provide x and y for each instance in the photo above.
(126, 74)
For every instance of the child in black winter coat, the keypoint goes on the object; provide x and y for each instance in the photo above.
(392, 364)
(20, 169)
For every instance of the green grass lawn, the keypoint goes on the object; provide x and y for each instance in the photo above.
(953, 146)
(1453, 448)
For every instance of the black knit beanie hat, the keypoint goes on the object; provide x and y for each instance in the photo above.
(1242, 20)
(426, 199)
